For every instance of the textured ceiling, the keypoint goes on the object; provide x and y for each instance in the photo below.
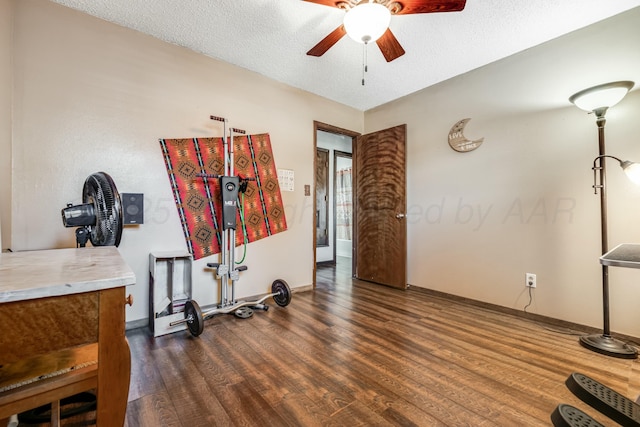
(271, 37)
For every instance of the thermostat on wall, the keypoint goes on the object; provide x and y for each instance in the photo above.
(285, 179)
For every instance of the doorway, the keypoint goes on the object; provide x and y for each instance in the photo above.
(379, 241)
(334, 243)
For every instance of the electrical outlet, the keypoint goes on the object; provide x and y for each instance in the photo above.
(530, 280)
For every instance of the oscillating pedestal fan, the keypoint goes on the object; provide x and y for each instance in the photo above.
(99, 217)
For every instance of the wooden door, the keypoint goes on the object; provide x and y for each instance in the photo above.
(380, 247)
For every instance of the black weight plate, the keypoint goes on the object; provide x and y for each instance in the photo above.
(282, 291)
(194, 314)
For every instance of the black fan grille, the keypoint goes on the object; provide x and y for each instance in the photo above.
(100, 190)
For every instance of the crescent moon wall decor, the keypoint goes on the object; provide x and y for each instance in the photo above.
(459, 142)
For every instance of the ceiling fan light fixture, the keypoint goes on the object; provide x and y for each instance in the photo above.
(367, 22)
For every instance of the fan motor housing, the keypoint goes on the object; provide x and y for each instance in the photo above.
(79, 215)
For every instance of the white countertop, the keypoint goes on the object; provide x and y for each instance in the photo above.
(37, 274)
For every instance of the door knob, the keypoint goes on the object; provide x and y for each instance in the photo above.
(400, 215)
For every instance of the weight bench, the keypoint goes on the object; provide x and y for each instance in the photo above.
(607, 401)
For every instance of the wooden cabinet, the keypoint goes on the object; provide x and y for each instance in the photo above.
(62, 329)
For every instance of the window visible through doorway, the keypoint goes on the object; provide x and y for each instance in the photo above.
(343, 203)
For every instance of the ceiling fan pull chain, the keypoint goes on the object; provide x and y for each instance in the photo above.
(364, 61)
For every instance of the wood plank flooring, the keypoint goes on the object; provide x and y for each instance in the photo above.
(352, 353)
(358, 354)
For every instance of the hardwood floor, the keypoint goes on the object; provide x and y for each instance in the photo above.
(355, 353)
(358, 354)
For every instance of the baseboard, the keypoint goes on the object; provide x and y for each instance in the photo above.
(305, 288)
(520, 313)
(135, 324)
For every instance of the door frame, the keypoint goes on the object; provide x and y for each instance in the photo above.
(341, 131)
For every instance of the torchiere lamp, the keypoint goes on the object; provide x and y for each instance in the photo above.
(597, 100)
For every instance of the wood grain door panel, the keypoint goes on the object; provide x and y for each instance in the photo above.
(380, 187)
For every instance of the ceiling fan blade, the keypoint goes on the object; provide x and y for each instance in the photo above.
(340, 4)
(326, 43)
(409, 7)
(390, 46)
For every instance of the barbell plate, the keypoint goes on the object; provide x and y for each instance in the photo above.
(193, 314)
(282, 291)
(244, 312)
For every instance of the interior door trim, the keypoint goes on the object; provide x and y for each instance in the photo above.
(341, 131)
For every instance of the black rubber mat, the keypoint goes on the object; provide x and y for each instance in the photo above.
(568, 416)
(609, 402)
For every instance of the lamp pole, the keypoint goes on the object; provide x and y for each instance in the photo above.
(598, 99)
(604, 242)
(605, 343)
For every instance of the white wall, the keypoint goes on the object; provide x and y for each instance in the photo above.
(91, 96)
(523, 202)
(5, 122)
(331, 142)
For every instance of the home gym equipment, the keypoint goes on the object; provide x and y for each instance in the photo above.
(227, 271)
(602, 398)
(99, 217)
(607, 401)
(263, 207)
(569, 416)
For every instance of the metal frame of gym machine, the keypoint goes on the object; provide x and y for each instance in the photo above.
(226, 271)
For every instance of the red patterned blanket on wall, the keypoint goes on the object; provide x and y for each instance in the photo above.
(198, 199)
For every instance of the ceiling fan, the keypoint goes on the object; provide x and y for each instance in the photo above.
(364, 12)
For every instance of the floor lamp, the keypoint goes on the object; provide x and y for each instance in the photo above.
(598, 100)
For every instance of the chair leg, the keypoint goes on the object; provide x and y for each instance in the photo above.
(55, 413)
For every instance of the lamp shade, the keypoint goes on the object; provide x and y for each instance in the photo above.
(632, 170)
(367, 22)
(602, 96)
